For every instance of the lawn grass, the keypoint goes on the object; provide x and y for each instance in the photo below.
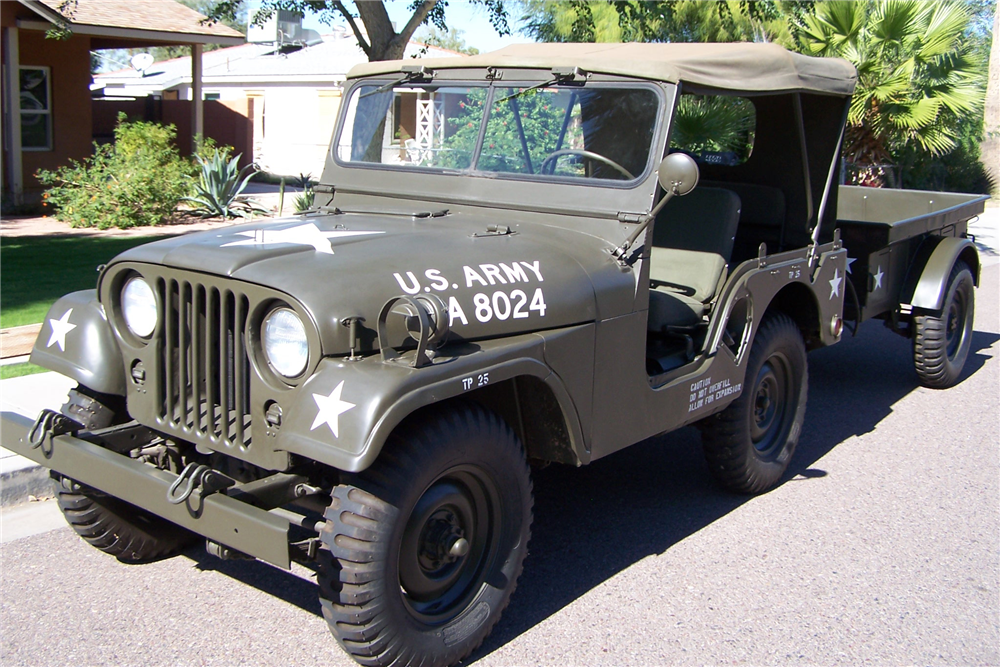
(8, 371)
(37, 270)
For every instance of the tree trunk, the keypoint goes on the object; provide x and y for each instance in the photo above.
(990, 148)
(386, 43)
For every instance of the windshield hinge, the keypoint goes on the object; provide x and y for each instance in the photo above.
(417, 72)
(566, 74)
(495, 230)
(630, 218)
(493, 74)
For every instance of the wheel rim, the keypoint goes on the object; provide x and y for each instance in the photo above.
(955, 329)
(448, 544)
(770, 412)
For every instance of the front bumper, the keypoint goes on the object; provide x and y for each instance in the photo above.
(218, 517)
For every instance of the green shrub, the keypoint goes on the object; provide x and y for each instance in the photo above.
(135, 182)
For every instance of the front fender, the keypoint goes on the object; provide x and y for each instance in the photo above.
(76, 340)
(346, 410)
(926, 285)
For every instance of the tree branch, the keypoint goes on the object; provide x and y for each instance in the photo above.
(419, 14)
(362, 42)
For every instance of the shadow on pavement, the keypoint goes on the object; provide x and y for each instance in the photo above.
(303, 593)
(593, 522)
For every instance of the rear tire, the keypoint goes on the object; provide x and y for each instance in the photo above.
(941, 343)
(130, 534)
(422, 551)
(749, 445)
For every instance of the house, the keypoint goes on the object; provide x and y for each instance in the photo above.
(291, 92)
(51, 123)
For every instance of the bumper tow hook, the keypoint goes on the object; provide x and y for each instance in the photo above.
(196, 476)
(48, 425)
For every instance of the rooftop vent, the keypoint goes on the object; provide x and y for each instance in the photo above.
(282, 27)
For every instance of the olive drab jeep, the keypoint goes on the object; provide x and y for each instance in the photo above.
(529, 256)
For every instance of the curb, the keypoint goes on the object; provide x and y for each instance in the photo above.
(21, 486)
(21, 478)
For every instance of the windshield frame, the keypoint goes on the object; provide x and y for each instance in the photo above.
(493, 87)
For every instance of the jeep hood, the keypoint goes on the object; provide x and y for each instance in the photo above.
(349, 264)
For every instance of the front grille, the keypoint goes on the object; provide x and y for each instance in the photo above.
(204, 373)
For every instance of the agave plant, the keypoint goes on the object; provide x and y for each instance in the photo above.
(220, 184)
(305, 201)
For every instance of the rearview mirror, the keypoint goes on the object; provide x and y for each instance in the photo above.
(678, 173)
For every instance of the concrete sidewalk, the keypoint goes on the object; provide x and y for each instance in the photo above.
(28, 395)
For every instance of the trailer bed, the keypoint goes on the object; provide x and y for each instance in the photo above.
(883, 231)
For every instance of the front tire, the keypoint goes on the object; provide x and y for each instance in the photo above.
(941, 343)
(749, 445)
(423, 550)
(118, 528)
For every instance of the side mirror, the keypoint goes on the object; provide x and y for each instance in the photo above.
(678, 174)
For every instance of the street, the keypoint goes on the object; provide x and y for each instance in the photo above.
(881, 546)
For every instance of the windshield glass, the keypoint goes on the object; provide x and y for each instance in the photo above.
(593, 132)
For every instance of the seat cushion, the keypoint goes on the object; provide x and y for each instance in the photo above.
(687, 272)
(704, 220)
(670, 309)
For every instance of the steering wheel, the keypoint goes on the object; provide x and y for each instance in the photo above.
(551, 158)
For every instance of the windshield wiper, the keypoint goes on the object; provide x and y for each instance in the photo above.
(413, 73)
(559, 75)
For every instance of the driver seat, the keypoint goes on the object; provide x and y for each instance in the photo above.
(691, 247)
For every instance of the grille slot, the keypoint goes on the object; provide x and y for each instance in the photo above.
(205, 368)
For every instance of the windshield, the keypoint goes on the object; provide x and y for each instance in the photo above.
(593, 132)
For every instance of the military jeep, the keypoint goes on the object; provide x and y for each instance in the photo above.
(543, 254)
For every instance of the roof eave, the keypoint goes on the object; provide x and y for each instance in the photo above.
(55, 18)
(136, 34)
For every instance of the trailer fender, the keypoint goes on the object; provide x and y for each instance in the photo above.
(346, 411)
(925, 289)
(77, 341)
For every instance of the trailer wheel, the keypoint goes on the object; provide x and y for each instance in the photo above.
(422, 551)
(941, 343)
(130, 534)
(749, 444)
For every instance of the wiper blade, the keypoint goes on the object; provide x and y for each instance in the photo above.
(440, 213)
(559, 75)
(413, 73)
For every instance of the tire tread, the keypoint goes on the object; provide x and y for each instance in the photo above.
(351, 594)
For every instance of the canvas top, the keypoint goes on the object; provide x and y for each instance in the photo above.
(755, 68)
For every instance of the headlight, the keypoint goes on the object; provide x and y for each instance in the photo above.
(139, 307)
(285, 343)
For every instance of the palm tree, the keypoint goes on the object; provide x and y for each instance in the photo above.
(917, 79)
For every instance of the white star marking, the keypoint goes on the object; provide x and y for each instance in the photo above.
(835, 284)
(307, 234)
(878, 278)
(850, 260)
(60, 328)
(330, 409)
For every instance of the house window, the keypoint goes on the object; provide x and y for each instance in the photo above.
(36, 109)
(213, 96)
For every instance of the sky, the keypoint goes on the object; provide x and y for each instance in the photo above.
(472, 19)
